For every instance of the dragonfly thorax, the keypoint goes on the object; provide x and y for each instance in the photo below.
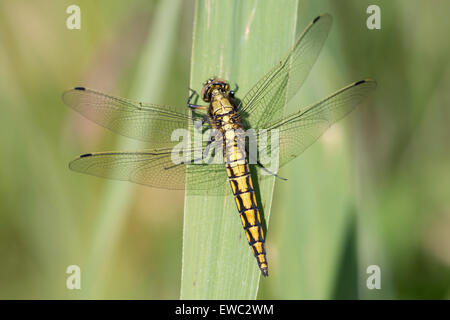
(221, 109)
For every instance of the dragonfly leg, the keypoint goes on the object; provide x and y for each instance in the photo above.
(198, 124)
(259, 164)
(233, 92)
(207, 149)
(191, 95)
(204, 155)
(270, 172)
(194, 106)
(206, 152)
(197, 107)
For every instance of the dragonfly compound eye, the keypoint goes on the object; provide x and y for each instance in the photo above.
(214, 84)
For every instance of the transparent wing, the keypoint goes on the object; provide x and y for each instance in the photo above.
(146, 122)
(299, 130)
(153, 168)
(263, 103)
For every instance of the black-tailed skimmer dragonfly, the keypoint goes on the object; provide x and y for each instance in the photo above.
(166, 165)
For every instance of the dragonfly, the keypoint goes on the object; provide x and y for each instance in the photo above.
(229, 118)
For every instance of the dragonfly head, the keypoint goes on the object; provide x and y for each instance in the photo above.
(214, 86)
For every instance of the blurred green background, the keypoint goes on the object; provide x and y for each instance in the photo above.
(375, 190)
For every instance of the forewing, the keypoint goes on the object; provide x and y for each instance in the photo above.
(146, 122)
(299, 130)
(153, 168)
(264, 102)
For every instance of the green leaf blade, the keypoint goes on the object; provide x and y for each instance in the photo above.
(239, 41)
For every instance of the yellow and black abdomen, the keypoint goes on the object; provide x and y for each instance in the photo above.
(244, 195)
(224, 115)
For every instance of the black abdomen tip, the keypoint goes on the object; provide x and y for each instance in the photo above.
(80, 88)
(360, 82)
(265, 272)
(317, 18)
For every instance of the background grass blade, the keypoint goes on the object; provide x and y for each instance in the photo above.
(314, 221)
(233, 40)
(148, 85)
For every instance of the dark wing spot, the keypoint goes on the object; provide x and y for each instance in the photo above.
(359, 82)
(80, 88)
(86, 155)
(317, 18)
